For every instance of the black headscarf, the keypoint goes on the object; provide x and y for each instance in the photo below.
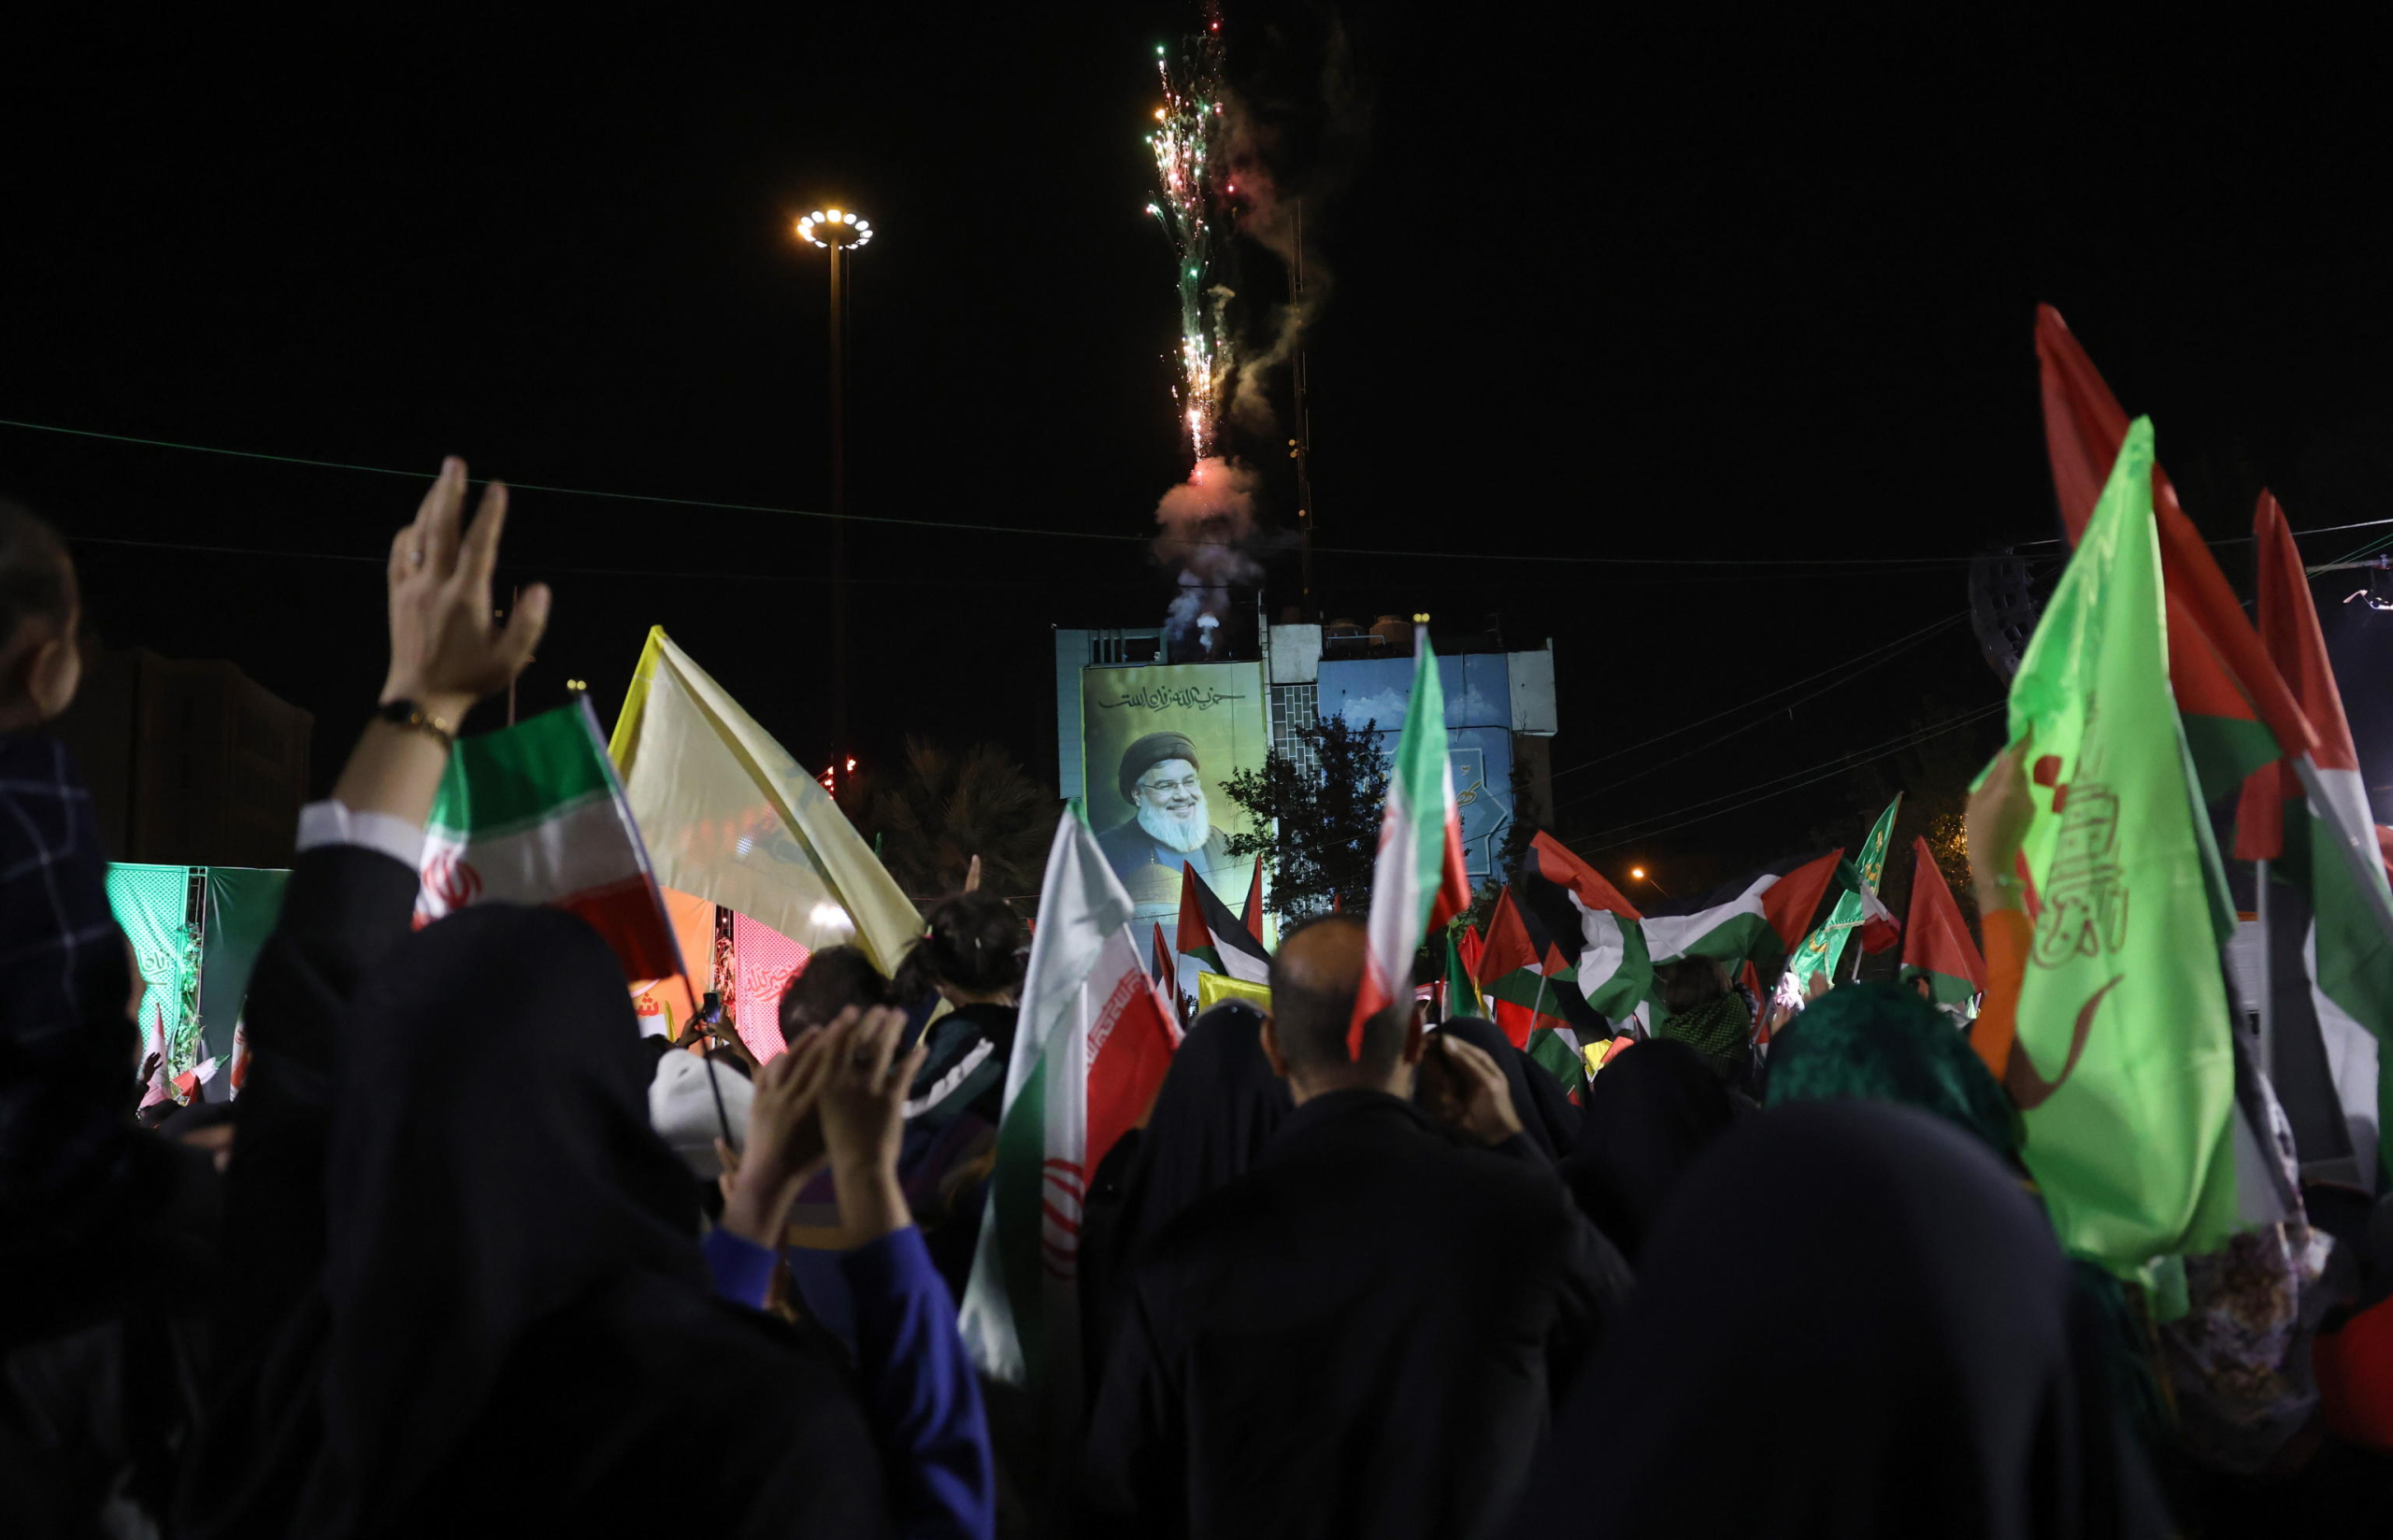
(1219, 1105)
(1544, 1107)
(1849, 1321)
(512, 1280)
(1650, 1112)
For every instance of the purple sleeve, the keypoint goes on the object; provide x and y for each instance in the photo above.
(743, 1271)
(924, 1402)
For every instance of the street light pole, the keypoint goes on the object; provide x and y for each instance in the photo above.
(839, 232)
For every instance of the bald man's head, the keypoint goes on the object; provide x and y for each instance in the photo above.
(1315, 976)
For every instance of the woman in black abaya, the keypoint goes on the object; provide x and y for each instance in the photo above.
(513, 1326)
(1849, 1321)
(1539, 1101)
(1650, 1112)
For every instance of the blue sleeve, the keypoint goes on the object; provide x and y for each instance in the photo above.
(743, 1271)
(918, 1384)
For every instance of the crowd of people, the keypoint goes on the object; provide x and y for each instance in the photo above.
(470, 1254)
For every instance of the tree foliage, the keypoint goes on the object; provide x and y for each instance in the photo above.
(1317, 831)
(944, 807)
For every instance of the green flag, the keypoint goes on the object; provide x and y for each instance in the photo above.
(2123, 1066)
(1825, 948)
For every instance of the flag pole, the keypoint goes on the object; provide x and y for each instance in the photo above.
(1539, 1009)
(2267, 977)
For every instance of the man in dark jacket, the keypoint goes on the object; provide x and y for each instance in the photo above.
(1365, 1334)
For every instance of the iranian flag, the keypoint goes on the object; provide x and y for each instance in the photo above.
(2315, 811)
(1856, 909)
(1213, 938)
(533, 814)
(1091, 1042)
(1757, 919)
(1937, 945)
(1418, 883)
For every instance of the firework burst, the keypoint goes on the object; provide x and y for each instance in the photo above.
(1187, 126)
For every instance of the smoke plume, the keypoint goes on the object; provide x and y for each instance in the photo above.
(1205, 528)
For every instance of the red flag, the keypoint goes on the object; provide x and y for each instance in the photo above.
(1558, 864)
(1507, 948)
(2232, 701)
(1935, 938)
(1470, 947)
(1253, 916)
(1788, 903)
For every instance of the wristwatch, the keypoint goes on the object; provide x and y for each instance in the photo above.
(407, 714)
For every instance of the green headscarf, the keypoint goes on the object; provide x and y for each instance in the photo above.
(1721, 1031)
(1883, 1043)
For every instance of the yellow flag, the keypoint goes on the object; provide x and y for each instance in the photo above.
(1214, 987)
(730, 817)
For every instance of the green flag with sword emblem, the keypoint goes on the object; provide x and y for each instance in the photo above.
(2124, 1066)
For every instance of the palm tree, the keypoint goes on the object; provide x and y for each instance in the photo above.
(943, 809)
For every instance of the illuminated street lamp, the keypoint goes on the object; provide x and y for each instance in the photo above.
(1637, 874)
(839, 232)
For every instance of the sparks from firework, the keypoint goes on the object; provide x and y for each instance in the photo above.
(1182, 143)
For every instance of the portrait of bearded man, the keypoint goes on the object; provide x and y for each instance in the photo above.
(1163, 781)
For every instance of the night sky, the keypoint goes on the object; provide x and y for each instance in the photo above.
(1690, 290)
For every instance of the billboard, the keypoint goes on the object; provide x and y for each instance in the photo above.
(1479, 737)
(1157, 745)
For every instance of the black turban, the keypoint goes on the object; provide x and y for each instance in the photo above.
(1150, 751)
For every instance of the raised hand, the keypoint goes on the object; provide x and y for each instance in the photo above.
(1995, 824)
(864, 1105)
(448, 650)
(784, 1141)
(1475, 1099)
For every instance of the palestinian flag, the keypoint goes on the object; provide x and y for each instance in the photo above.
(1824, 948)
(1463, 949)
(2327, 889)
(1253, 916)
(1215, 939)
(1937, 945)
(1516, 971)
(1759, 919)
(1091, 1042)
(1417, 883)
(1557, 902)
(533, 814)
(1164, 968)
(2237, 713)
(1556, 1049)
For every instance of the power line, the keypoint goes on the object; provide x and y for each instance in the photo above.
(956, 525)
(544, 568)
(1866, 652)
(1827, 770)
(1747, 726)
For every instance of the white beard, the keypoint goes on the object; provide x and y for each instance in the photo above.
(1180, 831)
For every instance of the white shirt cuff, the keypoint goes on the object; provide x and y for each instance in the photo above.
(330, 823)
